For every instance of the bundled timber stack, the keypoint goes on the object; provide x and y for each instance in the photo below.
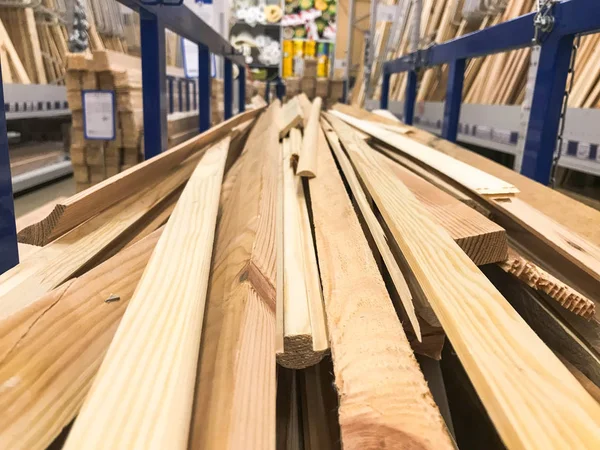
(96, 160)
(288, 279)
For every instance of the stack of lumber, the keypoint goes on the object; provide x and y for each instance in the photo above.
(96, 160)
(288, 280)
(496, 79)
(34, 39)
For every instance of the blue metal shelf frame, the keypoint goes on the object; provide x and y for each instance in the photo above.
(571, 17)
(154, 19)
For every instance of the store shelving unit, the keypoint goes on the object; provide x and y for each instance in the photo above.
(567, 18)
(154, 19)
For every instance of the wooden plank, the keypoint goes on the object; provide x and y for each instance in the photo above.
(84, 205)
(437, 181)
(471, 178)
(383, 395)
(307, 163)
(579, 251)
(295, 143)
(166, 320)
(540, 280)
(86, 245)
(15, 61)
(375, 228)
(31, 30)
(481, 239)
(290, 117)
(55, 346)
(488, 335)
(535, 308)
(236, 381)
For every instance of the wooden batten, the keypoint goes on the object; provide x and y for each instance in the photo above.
(234, 405)
(488, 336)
(80, 207)
(375, 228)
(373, 364)
(295, 143)
(165, 315)
(86, 245)
(305, 105)
(307, 164)
(55, 347)
(471, 178)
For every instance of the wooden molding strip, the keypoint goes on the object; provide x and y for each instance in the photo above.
(75, 251)
(540, 280)
(375, 229)
(54, 347)
(295, 143)
(383, 395)
(304, 330)
(307, 164)
(236, 380)
(493, 342)
(305, 105)
(160, 331)
(81, 207)
(473, 179)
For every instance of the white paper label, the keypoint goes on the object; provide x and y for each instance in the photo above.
(386, 13)
(99, 115)
(190, 58)
(339, 63)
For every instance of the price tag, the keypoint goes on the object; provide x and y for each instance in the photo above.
(99, 115)
(339, 63)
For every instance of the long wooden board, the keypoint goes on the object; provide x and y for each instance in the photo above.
(493, 342)
(80, 207)
(375, 228)
(55, 346)
(236, 381)
(160, 331)
(383, 395)
(87, 244)
(473, 179)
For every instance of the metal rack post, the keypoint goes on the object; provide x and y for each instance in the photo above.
(204, 81)
(227, 89)
(9, 252)
(411, 97)
(454, 90)
(171, 93)
(154, 75)
(242, 90)
(385, 90)
(568, 18)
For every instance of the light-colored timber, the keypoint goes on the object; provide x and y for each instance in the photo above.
(236, 381)
(307, 164)
(290, 117)
(306, 106)
(540, 280)
(51, 350)
(489, 337)
(80, 207)
(375, 228)
(160, 331)
(383, 395)
(473, 179)
(87, 244)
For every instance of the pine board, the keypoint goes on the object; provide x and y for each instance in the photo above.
(489, 337)
(236, 381)
(57, 345)
(160, 331)
(384, 400)
(471, 178)
(90, 202)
